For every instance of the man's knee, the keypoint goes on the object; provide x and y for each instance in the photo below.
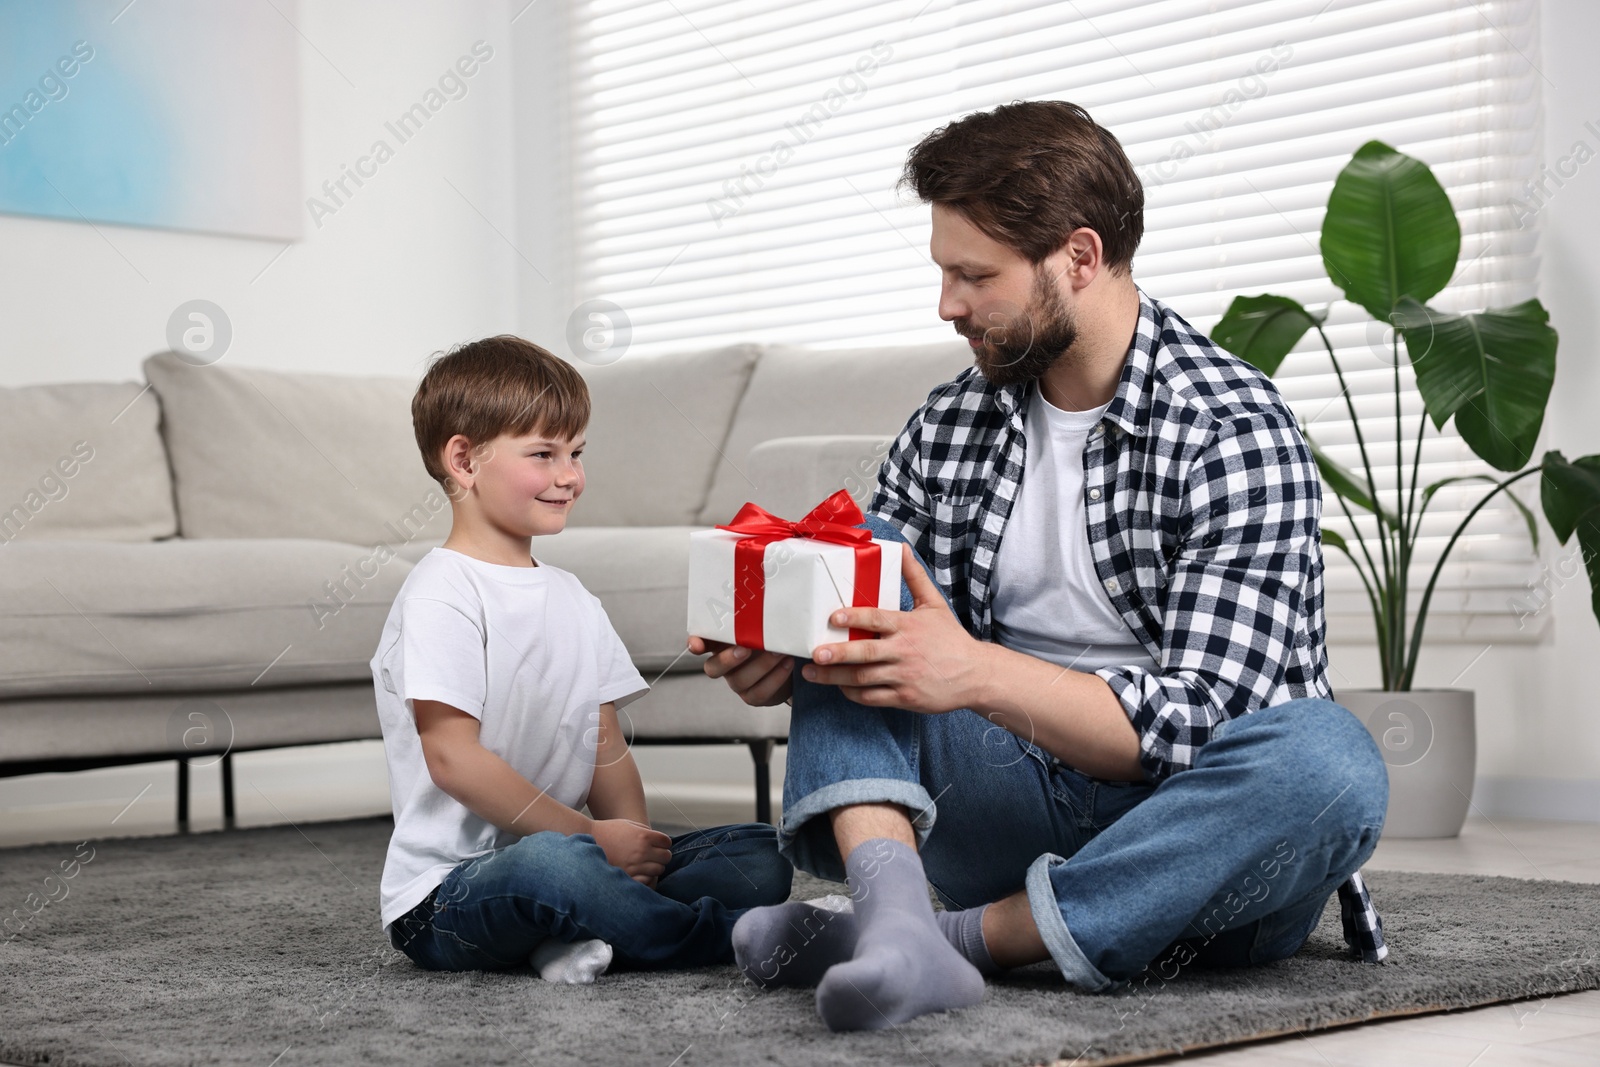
(1339, 758)
(883, 529)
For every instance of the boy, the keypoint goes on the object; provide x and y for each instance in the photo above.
(498, 679)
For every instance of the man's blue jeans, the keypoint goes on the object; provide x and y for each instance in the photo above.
(1227, 863)
(491, 911)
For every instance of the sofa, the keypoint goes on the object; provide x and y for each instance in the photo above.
(200, 563)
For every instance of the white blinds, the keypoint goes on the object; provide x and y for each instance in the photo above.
(735, 164)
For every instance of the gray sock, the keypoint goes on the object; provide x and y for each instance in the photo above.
(794, 944)
(903, 966)
(964, 930)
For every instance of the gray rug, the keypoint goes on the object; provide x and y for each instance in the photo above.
(262, 947)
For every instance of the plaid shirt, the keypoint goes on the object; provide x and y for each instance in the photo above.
(1204, 512)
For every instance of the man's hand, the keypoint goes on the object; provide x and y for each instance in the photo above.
(760, 679)
(640, 851)
(924, 661)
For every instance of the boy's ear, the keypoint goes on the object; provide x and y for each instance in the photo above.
(461, 462)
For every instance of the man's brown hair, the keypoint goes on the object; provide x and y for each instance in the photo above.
(1030, 172)
(498, 385)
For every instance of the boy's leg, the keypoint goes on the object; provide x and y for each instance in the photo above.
(737, 864)
(490, 912)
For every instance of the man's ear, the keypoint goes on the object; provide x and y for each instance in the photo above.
(1080, 259)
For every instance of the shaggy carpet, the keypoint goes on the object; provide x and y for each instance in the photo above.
(262, 947)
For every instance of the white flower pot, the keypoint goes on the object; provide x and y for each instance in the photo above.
(1429, 741)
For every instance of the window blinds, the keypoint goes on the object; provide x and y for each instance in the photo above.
(734, 166)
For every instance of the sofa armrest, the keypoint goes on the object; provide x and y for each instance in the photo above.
(794, 474)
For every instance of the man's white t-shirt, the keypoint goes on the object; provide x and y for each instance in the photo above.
(1048, 600)
(531, 654)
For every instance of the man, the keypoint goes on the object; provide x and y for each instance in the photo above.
(1100, 726)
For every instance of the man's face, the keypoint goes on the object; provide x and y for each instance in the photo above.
(1009, 310)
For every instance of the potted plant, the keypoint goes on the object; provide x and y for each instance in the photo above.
(1390, 242)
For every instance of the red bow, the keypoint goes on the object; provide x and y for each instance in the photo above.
(835, 520)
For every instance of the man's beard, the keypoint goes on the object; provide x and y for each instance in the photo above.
(1019, 347)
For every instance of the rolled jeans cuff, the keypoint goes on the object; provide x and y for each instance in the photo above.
(1075, 966)
(816, 853)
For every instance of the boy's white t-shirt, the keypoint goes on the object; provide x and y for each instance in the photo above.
(531, 654)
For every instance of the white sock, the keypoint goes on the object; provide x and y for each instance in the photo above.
(575, 963)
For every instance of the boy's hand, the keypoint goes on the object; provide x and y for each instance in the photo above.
(641, 852)
(760, 679)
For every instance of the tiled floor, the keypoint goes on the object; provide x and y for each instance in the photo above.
(1559, 1031)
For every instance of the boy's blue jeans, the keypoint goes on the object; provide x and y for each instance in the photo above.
(1229, 862)
(491, 911)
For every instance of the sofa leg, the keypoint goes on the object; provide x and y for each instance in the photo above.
(227, 791)
(761, 752)
(183, 795)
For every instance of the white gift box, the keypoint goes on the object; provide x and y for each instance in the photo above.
(805, 582)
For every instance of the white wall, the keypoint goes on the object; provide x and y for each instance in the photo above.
(406, 267)
(543, 147)
(1550, 726)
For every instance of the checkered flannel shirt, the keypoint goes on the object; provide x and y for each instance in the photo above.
(1204, 509)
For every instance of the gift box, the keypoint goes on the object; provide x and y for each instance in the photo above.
(767, 583)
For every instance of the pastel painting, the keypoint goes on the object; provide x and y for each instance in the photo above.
(175, 114)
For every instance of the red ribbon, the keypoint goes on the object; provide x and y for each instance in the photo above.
(835, 520)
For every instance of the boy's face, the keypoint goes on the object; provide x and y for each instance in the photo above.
(526, 485)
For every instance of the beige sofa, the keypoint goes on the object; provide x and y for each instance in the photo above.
(200, 564)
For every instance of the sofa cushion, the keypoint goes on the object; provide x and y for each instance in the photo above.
(83, 460)
(793, 474)
(798, 392)
(105, 616)
(200, 723)
(685, 706)
(656, 430)
(258, 453)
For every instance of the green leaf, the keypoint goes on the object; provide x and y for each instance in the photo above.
(1527, 514)
(1427, 493)
(1390, 231)
(1527, 517)
(1570, 493)
(1344, 482)
(1262, 329)
(1330, 537)
(1492, 370)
